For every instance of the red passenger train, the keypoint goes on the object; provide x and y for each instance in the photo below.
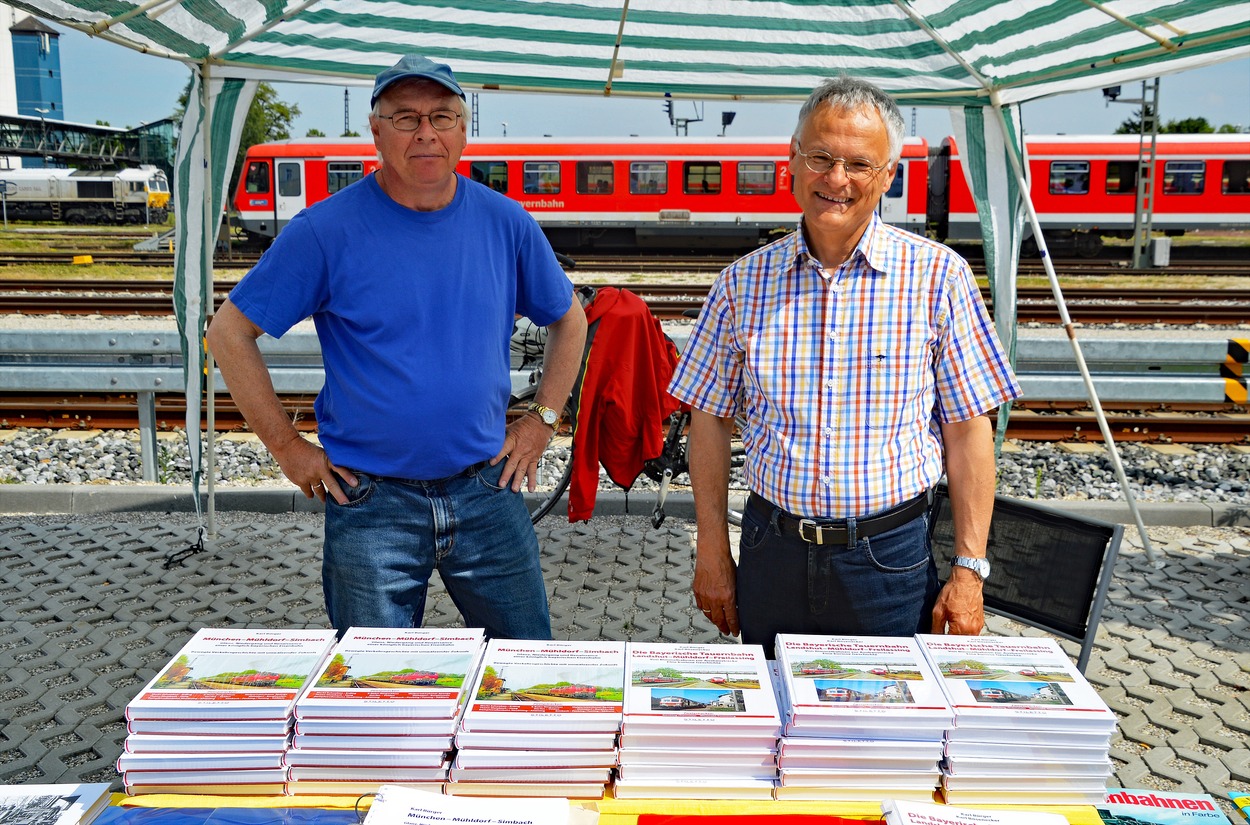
(609, 195)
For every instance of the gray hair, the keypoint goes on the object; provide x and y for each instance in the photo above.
(852, 94)
(465, 110)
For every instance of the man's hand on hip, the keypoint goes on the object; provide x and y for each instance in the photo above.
(523, 444)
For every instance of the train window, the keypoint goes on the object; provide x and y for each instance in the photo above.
(493, 173)
(257, 181)
(288, 180)
(896, 185)
(594, 177)
(648, 178)
(340, 175)
(701, 177)
(95, 189)
(757, 178)
(1069, 177)
(1121, 177)
(541, 177)
(1184, 177)
(1236, 177)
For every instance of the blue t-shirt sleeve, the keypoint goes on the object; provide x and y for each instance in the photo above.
(289, 283)
(544, 292)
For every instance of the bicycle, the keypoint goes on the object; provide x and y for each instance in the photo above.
(555, 468)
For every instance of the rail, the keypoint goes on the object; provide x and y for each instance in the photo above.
(146, 363)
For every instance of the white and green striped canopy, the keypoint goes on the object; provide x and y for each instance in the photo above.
(926, 52)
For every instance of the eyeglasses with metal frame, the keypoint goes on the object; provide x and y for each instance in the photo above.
(440, 119)
(822, 163)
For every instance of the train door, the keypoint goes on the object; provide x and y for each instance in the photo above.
(290, 196)
(893, 205)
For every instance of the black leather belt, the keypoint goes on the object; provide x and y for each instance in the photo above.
(467, 472)
(834, 531)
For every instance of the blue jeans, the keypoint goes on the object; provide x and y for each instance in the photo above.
(885, 585)
(383, 545)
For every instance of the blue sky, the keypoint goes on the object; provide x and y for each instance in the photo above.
(94, 73)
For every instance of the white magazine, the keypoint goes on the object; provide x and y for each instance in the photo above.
(365, 759)
(159, 743)
(1022, 682)
(861, 683)
(547, 686)
(233, 673)
(76, 804)
(706, 687)
(907, 812)
(198, 761)
(353, 788)
(396, 805)
(693, 788)
(413, 773)
(382, 744)
(394, 673)
(375, 727)
(485, 758)
(536, 741)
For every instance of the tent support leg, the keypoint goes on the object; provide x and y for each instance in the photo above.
(147, 434)
(1018, 168)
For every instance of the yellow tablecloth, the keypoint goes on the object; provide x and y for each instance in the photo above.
(611, 811)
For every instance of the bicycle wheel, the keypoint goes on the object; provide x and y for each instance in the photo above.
(555, 468)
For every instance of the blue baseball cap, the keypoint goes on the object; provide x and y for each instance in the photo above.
(412, 66)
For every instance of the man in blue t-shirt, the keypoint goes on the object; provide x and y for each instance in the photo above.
(413, 277)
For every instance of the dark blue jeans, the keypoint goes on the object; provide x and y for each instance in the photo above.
(885, 585)
(383, 545)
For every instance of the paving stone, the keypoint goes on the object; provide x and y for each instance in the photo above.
(88, 613)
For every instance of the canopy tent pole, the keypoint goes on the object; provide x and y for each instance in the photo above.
(210, 134)
(206, 262)
(1001, 216)
(1017, 167)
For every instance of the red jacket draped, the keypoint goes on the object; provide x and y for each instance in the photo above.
(624, 397)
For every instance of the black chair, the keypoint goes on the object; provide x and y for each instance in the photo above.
(1050, 569)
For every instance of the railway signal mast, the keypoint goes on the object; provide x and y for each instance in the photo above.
(1148, 131)
(680, 124)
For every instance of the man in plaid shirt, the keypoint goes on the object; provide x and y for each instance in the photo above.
(866, 367)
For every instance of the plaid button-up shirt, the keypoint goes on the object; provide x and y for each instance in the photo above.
(845, 375)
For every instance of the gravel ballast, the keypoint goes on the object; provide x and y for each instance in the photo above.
(1196, 473)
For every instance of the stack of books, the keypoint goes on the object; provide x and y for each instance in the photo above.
(541, 720)
(864, 719)
(701, 722)
(1029, 728)
(216, 719)
(382, 709)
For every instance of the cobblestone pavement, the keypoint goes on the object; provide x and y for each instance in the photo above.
(88, 613)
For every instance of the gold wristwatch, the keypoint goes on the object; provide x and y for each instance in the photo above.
(549, 416)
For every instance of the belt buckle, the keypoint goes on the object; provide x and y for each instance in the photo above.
(806, 522)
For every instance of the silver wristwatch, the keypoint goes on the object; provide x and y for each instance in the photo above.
(979, 566)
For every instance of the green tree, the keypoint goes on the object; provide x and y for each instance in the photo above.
(1188, 126)
(315, 133)
(350, 133)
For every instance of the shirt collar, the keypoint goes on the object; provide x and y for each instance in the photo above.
(871, 247)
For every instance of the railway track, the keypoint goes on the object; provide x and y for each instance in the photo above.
(1087, 305)
(1193, 424)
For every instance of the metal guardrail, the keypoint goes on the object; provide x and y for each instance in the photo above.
(150, 362)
